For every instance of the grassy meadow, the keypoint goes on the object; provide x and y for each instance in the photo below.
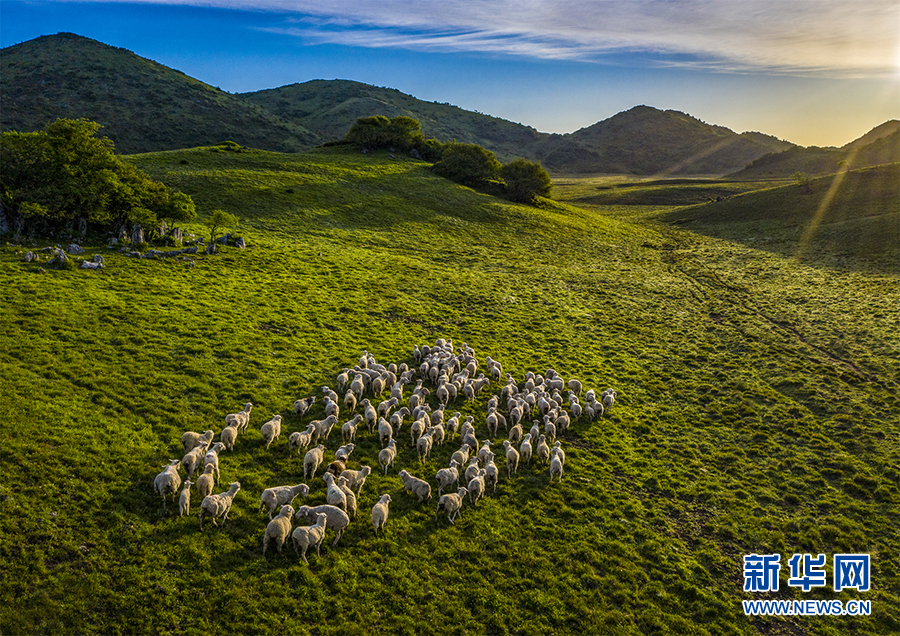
(758, 411)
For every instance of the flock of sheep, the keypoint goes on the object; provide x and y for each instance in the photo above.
(450, 374)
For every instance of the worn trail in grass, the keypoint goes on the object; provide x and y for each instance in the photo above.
(757, 414)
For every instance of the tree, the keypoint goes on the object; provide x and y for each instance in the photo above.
(67, 176)
(525, 180)
(803, 181)
(218, 220)
(468, 164)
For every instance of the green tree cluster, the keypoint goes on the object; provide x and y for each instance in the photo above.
(519, 180)
(66, 177)
(401, 133)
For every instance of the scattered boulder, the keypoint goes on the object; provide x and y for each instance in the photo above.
(189, 250)
(98, 259)
(212, 248)
(152, 254)
(240, 242)
(137, 235)
(59, 259)
(415, 154)
(30, 256)
(91, 265)
(177, 235)
(74, 248)
(223, 240)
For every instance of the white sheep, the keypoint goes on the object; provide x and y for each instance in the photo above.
(206, 481)
(476, 487)
(184, 501)
(337, 519)
(447, 476)
(322, 428)
(543, 450)
(418, 487)
(343, 453)
(462, 455)
(228, 436)
(334, 495)
(313, 459)
(348, 430)
(451, 503)
(515, 434)
(190, 439)
(512, 458)
(525, 449)
(387, 455)
(193, 460)
(357, 478)
(371, 415)
(535, 431)
(424, 444)
(211, 458)
(471, 469)
(302, 406)
(306, 536)
(329, 394)
(332, 408)
(549, 428)
(491, 472)
(344, 485)
(380, 513)
(218, 505)
(240, 419)
(385, 431)
(276, 496)
(168, 481)
(343, 379)
(608, 397)
(557, 451)
(301, 439)
(556, 468)
(279, 528)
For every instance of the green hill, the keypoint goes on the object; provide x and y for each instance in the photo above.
(142, 105)
(646, 140)
(331, 106)
(756, 414)
(849, 219)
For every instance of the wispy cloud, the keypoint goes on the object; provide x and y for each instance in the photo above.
(832, 37)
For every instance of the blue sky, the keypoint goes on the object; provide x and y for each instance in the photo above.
(815, 72)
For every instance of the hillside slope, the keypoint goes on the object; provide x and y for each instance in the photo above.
(848, 219)
(756, 411)
(141, 104)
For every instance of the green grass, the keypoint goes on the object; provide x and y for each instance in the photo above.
(758, 413)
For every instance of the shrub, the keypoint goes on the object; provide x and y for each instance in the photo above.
(218, 220)
(525, 180)
(469, 164)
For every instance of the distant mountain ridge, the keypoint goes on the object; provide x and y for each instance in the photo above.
(145, 106)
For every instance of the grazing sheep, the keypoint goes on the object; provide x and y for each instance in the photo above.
(329, 394)
(535, 431)
(593, 410)
(193, 460)
(343, 453)
(335, 468)
(337, 519)
(240, 419)
(608, 397)
(371, 415)
(384, 409)
(190, 439)
(350, 401)
(576, 411)
(323, 428)
(423, 445)
(387, 455)
(276, 496)
(590, 396)
(471, 469)
(493, 423)
(348, 430)
(358, 386)
(344, 485)
(271, 430)
(356, 478)
(211, 458)
(313, 459)
(515, 434)
(562, 422)
(168, 481)
(218, 505)
(462, 455)
(184, 501)
(525, 449)
(302, 406)
(380, 513)
(447, 476)
(306, 536)
(543, 450)
(334, 495)
(419, 487)
(228, 436)
(556, 468)
(416, 430)
(491, 472)
(549, 428)
(301, 440)
(512, 459)
(476, 487)
(343, 379)
(451, 503)
(385, 431)
(205, 482)
(397, 419)
(279, 529)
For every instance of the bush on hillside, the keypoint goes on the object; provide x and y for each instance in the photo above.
(525, 180)
(66, 178)
(403, 134)
(468, 164)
